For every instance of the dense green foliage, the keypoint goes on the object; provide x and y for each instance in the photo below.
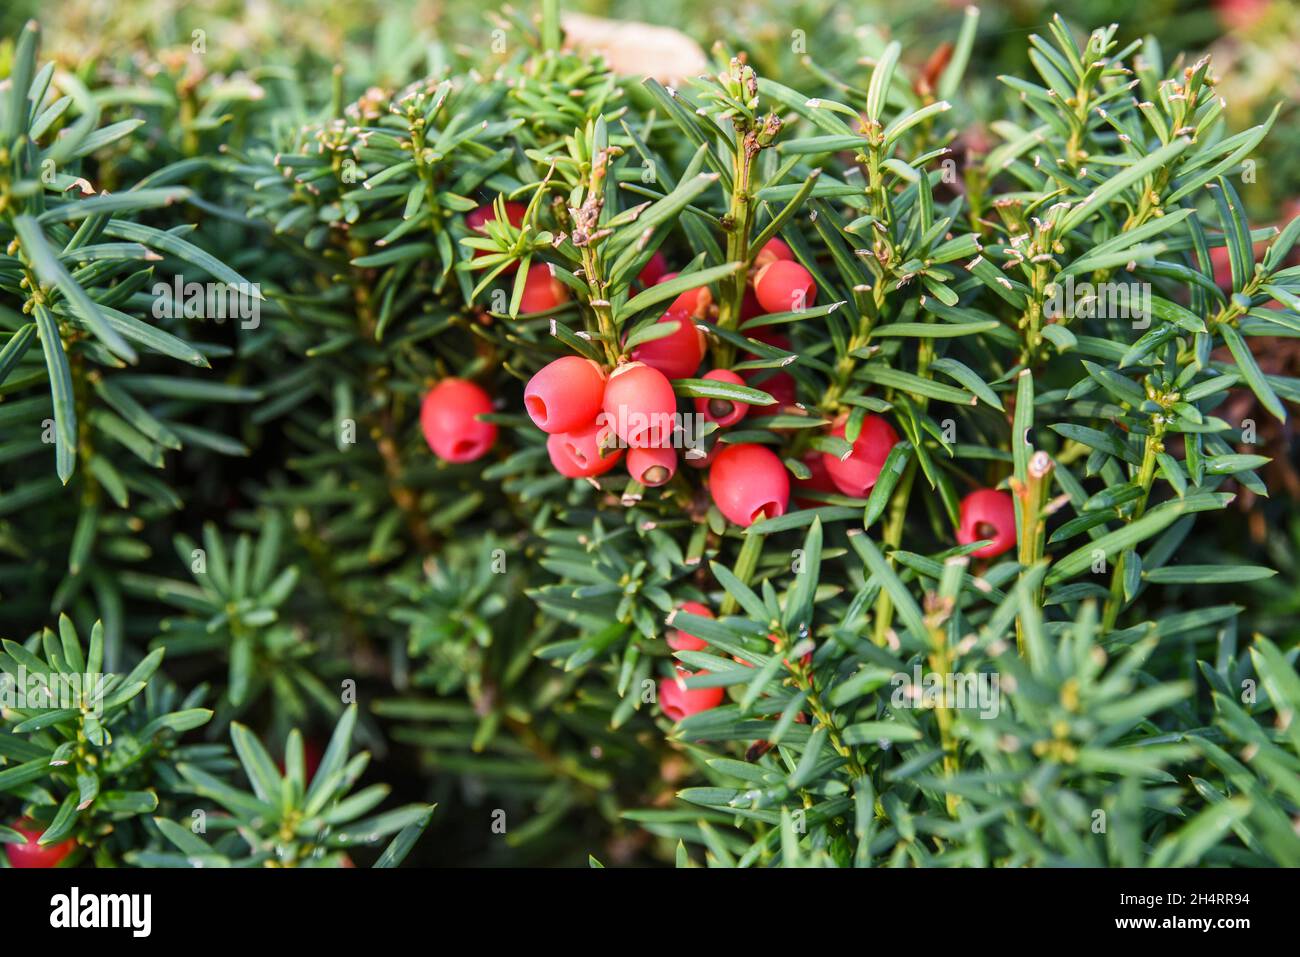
(249, 506)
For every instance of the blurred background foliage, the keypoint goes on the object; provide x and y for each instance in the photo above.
(1255, 43)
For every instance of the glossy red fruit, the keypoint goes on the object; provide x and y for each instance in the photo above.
(565, 394)
(857, 474)
(640, 406)
(678, 354)
(784, 286)
(654, 270)
(677, 701)
(448, 418)
(695, 301)
(477, 219)
(31, 854)
(818, 481)
(679, 640)
(578, 453)
(988, 513)
(542, 290)
(748, 483)
(773, 250)
(722, 411)
(651, 467)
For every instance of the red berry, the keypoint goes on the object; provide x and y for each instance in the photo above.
(987, 513)
(750, 306)
(678, 354)
(773, 250)
(451, 428)
(784, 286)
(679, 640)
(542, 290)
(695, 302)
(748, 483)
(722, 411)
(476, 219)
(678, 701)
(818, 481)
(565, 394)
(651, 467)
(653, 271)
(32, 855)
(857, 474)
(640, 406)
(578, 453)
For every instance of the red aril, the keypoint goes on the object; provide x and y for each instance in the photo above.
(449, 418)
(579, 453)
(565, 394)
(988, 513)
(856, 474)
(749, 483)
(724, 412)
(640, 406)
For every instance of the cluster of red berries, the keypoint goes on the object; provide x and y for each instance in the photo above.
(30, 854)
(592, 414)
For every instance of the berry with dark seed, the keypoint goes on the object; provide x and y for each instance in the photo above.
(988, 514)
(724, 412)
(651, 467)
